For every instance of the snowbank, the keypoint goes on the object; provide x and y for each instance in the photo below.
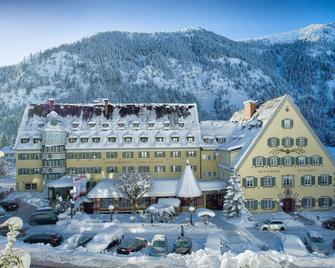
(36, 199)
(293, 245)
(201, 212)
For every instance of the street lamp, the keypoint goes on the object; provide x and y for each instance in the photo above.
(151, 210)
(191, 209)
(72, 208)
(111, 207)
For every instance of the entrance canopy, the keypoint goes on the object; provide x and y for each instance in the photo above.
(63, 182)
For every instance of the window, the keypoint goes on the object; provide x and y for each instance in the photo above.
(208, 140)
(174, 138)
(268, 181)
(251, 204)
(72, 140)
(301, 160)
(96, 139)
(287, 123)
(194, 168)
(181, 125)
(175, 168)
(37, 140)
(112, 139)
(128, 169)
(287, 160)
(166, 124)
(159, 154)
(112, 154)
(307, 180)
(191, 154)
(273, 142)
(105, 125)
(40, 124)
(151, 124)
(324, 180)
(267, 204)
(316, 160)
(91, 124)
(159, 169)
(84, 140)
(120, 125)
(23, 156)
(75, 124)
(143, 154)
(175, 154)
(112, 169)
(128, 139)
(220, 139)
(324, 201)
(25, 140)
(287, 142)
(273, 161)
(145, 169)
(127, 155)
(136, 125)
(301, 142)
(159, 139)
(144, 139)
(72, 170)
(259, 161)
(249, 182)
(288, 181)
(308, 202)
(30, 186)
(190, 139)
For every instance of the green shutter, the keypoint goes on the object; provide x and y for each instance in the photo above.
(273, 204)
(293, 161)
(277, 142)
(282, 141)
(268, 161)
(302, 180)
(330, 179)
(310, 160)
(291, 142)
(313, 180)
(255, 204)
(254, 162)
(282, 123)
(297, 141)
(262, 181)
(291, 123)
(255, 181)
(262, 204)
(313, 202)
(244, 182)
(306, 142)
(269, 142)
(303, 202)
(330, 201)
(319, 180)
(320, 160)
(273, 181)
(320, 202)
(264, 161)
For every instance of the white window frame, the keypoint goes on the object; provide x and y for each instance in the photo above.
(267, 204)
(144, 154)
(267, 181)
(176, 154)
(301, 142)
(191, 153)
(159, 169)
(250, 204)
(287, 142)
(308, 202)
(259, 161)
(273, 161)
(288, 161)
(249, 182)
(190, 139)
(324, 180)
(326, 203)
(307, 178)
(273, 142)
(301, 161)
(287, 123)
(288, 181)
(175, 139)
(315, 160)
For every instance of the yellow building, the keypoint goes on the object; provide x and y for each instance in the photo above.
(281, 161)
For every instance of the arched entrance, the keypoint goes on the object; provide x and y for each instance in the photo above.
(287, 204)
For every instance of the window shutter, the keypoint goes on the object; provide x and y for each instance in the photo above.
(273, 204)
(264, 161)
(283, 141)
(262, 204)
(303, 180)
(255, 181)
(244, 182)
(320, 160)
(262, 181)
(297, 141)
(313, 180)
(303, 202)
(319, 180)
(306, 141)
(293, 161)
(291, 121)
(277, 142)
(273, 181)
(330, 201)
(310, 160)
(269, 142)
(313, 202)
(282, 123)
(282, 161)
(255, 204)
(297, 160)
(330, 179)
(268, 161)
(254, 162)
(278, 161)
(291, 142)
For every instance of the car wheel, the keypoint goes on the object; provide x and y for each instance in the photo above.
(264, 229)
(282, 229)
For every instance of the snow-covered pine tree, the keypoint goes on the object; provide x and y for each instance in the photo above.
(234, 198)
(134, 185)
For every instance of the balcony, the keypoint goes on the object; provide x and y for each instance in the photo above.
(48, 170)
(49, 156)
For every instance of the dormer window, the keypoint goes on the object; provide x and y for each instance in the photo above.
(120, 124)
(37, 140)
(72, 140)
(84, 139)
(40, 124)
(166, 124)
(128, 139)
(220, 139)
(91, 124)
(75, 124)
(144, 139)
(96, 139)
(151, 124)
(181, 125)
(136, 125)
(190, 139)
(112, 139)
(208, 139)
(174, 138)
(25, 140)
(105, 125)
(159, 139)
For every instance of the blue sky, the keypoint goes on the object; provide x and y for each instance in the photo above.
(28, 26)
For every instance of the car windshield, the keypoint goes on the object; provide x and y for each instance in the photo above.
(127, 243)
(183, 243)
(317, 239)
(159, 244)
(266, 221)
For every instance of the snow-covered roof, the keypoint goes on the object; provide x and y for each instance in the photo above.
(63, 182)
(187, 185)
(201, 212)
(243, 133)
(175, 202)
(106, 189)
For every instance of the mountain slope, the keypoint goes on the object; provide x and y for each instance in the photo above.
(194, 65)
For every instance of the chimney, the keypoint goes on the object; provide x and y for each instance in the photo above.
(51, 104)
(249, 109)
(106, 106)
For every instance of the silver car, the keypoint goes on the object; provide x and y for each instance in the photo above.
(271, 225)
(315, 243)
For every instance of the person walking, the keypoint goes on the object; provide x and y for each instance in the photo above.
(182, 231)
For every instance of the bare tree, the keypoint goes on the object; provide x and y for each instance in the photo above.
(134, 184)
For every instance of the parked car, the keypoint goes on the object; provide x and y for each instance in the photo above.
(293, 245)
(77, 240)
(329, 224)
(159, 246)
(9, 205)
(22, 232)
(315, 243)
(106, 239)
(271, 225)
(54, 239)
(183, 245)
(41, 218)
(47, 209)
(131, 245)
(333, 243)
(2, 211)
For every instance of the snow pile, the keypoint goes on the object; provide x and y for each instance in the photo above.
(8, 182)
(160, 209)
(202, 212)
(293, 245)
(36, 199)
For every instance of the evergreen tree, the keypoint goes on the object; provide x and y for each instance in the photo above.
(234, 198)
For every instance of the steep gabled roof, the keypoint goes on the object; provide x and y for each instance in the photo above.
(187, 185)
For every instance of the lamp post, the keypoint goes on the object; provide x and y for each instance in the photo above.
(72, 208)
(151, 210)
(191, 209)
(111, 208)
